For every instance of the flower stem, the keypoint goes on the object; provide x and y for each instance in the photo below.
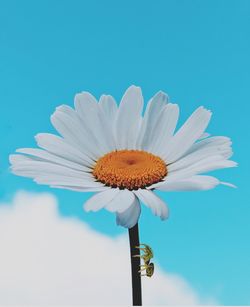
(135, 265)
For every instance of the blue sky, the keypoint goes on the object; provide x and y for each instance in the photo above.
(197, 52)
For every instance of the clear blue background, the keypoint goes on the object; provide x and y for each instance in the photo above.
(196, 51)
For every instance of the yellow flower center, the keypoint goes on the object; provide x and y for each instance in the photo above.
(129, 169)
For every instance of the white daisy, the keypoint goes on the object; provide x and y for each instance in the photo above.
(123, 156)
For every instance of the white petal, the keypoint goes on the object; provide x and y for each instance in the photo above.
(48, 157)
(100, 200)
(152, 201)
(193, 183)
(81, 189)
(91, 124)
(56, 180)
(58, 146)
(154, 109)
(228, 184)
(60, 180)
(129, 218)
(94, 122)
(204, 165)
(128, 118)
(39, 166)
(221, 144)
(51, 174)
(108, 106)
(121, 202)
(187, 134)
(164, 129)
(70, 127)
(107, 112)
(16, 159)
(210, 149)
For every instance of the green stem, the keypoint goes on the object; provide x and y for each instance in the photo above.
(135, 266)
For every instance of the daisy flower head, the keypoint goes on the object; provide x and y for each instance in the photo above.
(123, 156)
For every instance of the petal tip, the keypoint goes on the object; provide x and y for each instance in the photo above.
(228, 184)
(86, 207)
(134, 88)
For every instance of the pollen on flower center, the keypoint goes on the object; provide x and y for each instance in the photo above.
(129, 169)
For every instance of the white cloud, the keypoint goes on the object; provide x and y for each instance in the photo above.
(49, 260)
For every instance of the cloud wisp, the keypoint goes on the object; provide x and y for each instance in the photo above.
(47, 259)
